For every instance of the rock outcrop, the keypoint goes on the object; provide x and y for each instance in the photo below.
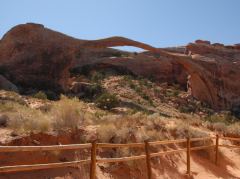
(33, 56)
(7, 85)
(214, 74)
(36, 57)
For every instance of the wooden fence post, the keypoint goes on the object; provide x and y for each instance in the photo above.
(148, 160)
(216, 149)
(188, 156)
(93, 160)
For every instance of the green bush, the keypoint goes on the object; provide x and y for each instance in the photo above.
(97, 77)
(187, 109)
(145, 96)
(225, 118)
(172, 93)
(40, 95)
(128, 78)
(92, 91)
(138, 90)
(132, 85)
(107, 101)
(51, 95)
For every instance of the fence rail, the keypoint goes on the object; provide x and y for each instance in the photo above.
(43, 148)
(94, 159)
(19, 168)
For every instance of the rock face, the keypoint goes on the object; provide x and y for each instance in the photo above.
(33, 56)
(36, 57)
(215, 74)
(7, 85)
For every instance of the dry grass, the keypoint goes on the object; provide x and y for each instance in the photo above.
(63, 114)
(72, 113)
(233, 130)
(25, 119)
(67, 114)
(131, 128)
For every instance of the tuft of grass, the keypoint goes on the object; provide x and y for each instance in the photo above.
(67, 114)
(106, 132)
(233, 130)
(25, 119)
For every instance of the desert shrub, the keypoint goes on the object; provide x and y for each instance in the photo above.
(106, 132)
(233, 130)
(138, 90)
(175, 92)
(143, 82)
(92, 91)
(187, 108)
(132, 85)
(145, 96)
(128, 78)
(51, 95)
(40, 95)
(184, 130)
(172, 93)
(131, 128)
(107, 101)
(25, 119)
(67, 114)
(226, 118)
(97, 77)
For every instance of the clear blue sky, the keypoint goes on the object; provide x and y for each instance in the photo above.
(160, 23)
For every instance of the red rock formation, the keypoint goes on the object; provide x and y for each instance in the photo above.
(34, 56)
(203, 42)
(117, 41)
(215, 73)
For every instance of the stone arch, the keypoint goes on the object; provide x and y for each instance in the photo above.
(201, 86)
